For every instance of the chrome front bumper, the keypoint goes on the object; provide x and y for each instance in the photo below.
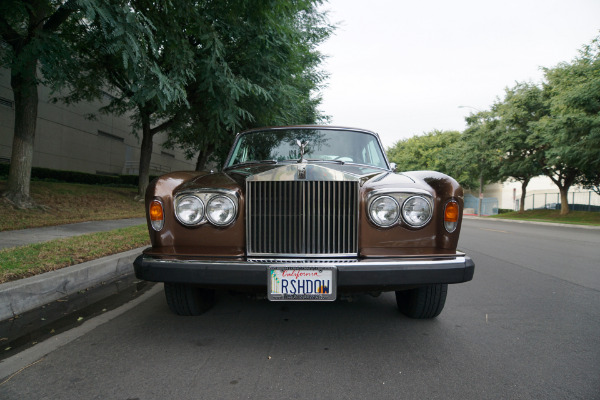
(385, 274)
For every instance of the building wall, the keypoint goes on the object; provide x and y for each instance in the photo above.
(67, 139)
(540, 191)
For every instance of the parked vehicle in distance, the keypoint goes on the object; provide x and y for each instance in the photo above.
(305, 213)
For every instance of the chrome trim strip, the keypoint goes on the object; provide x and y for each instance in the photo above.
(229, 192)
(304, 255)
(407, 191)
(378, 262)
(302, 260)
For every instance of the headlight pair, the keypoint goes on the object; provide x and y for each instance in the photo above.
(385, 210)
(219, 209)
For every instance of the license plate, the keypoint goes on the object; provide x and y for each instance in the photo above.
(302, 283)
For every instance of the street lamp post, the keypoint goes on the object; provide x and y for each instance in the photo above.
(480, 198)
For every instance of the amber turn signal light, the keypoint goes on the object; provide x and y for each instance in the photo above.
(157, 217)
(451, 216)
(451, 213)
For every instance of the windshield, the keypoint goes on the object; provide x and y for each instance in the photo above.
(319, 145)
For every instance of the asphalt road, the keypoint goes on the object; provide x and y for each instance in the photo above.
(526, 327)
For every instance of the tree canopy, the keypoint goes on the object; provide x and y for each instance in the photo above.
(435, 150)
(260, 67)
(44, 35)
(199, 70)
(515, 137)
(570, 133)
(551, 128)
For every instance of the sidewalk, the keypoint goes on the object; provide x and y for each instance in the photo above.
(27, 294)
(37, 235)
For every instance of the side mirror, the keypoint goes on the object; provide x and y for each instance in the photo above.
(393, 166)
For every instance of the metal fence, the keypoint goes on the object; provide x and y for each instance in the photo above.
(489, 205)
(578, 201)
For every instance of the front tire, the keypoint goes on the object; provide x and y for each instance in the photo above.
(423, 302)
(188, 300)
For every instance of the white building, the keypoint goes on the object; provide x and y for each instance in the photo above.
(541, 192)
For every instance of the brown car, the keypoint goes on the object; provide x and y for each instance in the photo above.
(305, 213)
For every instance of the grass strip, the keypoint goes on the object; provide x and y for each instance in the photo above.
(68, 203)
(23, 261)
(573, 217)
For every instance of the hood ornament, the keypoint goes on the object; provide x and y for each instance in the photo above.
(302, 145)
(302, 171)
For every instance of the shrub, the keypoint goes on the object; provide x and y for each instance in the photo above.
(47, 174)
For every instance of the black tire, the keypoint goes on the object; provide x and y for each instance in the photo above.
(188, 300)
(423, 302)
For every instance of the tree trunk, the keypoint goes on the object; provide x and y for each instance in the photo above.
(523, 194)
(145, 155)
(24, 86)
(564, 202)
(203, 156)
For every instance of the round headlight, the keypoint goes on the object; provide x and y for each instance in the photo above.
(189, 210)
(416, 211)
(384, 211)
(220, 210)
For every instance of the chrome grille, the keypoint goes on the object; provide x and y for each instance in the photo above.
(311, 218)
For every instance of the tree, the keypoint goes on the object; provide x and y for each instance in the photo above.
(570, 134)
(40, 35)
(153, 99)
(521, 156)
(592, 181)
(425, 152)
(257, 66)
(476, 154)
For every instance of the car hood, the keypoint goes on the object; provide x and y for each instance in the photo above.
(368, 177)
(305, 171)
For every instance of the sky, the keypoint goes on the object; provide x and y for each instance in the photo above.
(403, 68)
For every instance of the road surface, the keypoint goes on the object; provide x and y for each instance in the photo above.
(526, 327)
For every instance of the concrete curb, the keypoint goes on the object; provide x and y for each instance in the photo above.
(517, 221)
(27, 294)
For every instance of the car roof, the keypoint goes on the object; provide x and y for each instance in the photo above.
(323, 127)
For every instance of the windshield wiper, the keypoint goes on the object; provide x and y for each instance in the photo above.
(328, 161)
(259, 162)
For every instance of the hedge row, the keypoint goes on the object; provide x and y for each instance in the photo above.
(76, 177)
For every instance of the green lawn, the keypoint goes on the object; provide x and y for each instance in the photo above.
(67, 203)
(573, 217)
(23, 261)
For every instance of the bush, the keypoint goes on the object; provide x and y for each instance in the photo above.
(47, 174)
(4, 170)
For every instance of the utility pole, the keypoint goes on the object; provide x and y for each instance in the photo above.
(480, 169)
